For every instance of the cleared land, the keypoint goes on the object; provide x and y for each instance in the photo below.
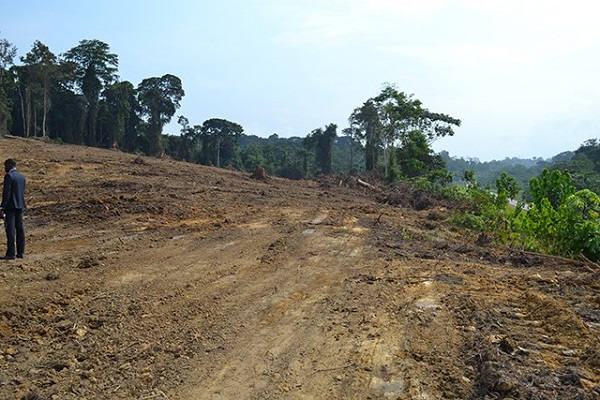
(153, 279)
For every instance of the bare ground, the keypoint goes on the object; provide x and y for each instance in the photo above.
(153, 279)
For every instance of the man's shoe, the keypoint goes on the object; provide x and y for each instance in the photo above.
(7, 258)
(19, 255)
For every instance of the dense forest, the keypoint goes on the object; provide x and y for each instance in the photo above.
(77, 97)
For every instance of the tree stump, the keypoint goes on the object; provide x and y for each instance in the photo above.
(260, 174)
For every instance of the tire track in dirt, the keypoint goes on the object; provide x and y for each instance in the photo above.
(283, 348)
(308, 334)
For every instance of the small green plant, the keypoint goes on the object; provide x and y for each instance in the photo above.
(468, 221)
(441, 177)
(569, 228)
(489, 212)
(554, 186)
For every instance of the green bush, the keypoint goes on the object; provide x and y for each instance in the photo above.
(468, 221)
(569, 228)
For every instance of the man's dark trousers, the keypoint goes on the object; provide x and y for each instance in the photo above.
(14, 230)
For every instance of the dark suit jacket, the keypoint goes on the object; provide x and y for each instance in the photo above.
(13, 191)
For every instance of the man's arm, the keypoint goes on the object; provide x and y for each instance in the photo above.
(6, 188)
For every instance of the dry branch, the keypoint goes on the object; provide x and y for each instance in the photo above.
(585, 263)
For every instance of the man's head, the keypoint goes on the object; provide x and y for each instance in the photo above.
(9, 164)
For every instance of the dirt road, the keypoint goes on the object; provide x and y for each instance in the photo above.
(153, 279)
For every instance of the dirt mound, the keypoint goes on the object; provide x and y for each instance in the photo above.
(147, 278)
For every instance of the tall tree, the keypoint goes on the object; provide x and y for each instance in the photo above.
(118, 114)
(42, 68)
(67, 115)
(352, 133)
(390, 118)
(190, 145)
(369, 130)
(159, 100)
(95, 69)
(21, 82)
(221, 137)
(321, 141)
(399, 114)
(7, 54)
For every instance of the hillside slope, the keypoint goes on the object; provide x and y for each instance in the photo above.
(153, 279)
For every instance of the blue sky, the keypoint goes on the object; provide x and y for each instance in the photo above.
(522, 75)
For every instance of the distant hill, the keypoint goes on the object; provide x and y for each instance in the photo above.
(487, 172)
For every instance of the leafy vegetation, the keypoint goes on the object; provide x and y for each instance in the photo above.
(489, 212)
(561, 220)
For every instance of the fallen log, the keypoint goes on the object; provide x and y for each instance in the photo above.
(353, 182)
(366, 185)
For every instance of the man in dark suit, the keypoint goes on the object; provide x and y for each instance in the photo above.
(13, 204)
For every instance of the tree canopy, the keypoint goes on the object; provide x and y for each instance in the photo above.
(220, 141)
(321, 142)
(396, 119)
(94, 68)
(159, 99)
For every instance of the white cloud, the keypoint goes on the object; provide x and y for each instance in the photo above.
(321, 30)
(468, 58)
(415, 8)
(335, 23)
(553, 24)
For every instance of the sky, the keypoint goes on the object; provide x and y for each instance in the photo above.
(521, 75)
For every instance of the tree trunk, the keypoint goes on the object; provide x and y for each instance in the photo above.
(35, 121)
(218, 146)
(22, 110)
(350, 170)
(46, 109)
(3, 117)
(27, 112)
